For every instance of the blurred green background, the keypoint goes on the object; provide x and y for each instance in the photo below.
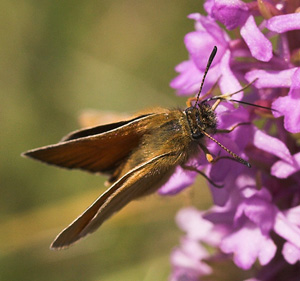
(59, 58)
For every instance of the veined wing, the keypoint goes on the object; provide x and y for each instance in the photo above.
(97, 149)
(140, 181)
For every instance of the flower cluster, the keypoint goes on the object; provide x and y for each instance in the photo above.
(256, 215)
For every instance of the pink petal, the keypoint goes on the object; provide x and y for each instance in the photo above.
(210, 26)
(263, 193)
(194, 249)
(293, 215)
(267, 251)
(291, 253)
(284, 23)
(289, 107)
(220, 195)
(228, 82)
(189, 79)
(272, 145)
(182, 258)
(199, 45)
(191, 221)
(260, 47)
(271, 79)
(178, 181)
(208, 6)
(289, 231)
(282, 169)
(295, 87)
(259, 210)
(232, 13)
(247, 244)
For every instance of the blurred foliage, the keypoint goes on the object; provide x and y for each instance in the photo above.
(59, 58)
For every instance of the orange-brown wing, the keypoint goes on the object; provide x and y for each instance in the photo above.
(140, 181)
(96, 130)
(97, 149)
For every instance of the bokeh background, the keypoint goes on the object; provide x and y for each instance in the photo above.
(57, 59)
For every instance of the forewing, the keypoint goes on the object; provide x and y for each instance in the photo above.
(140, 181)
(98, 149)
(96, 130)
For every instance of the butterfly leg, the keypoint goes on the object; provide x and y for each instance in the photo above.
(194, 169)
(228, 96)
(226, 131)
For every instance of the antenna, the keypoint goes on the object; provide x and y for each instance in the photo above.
(210, 60)
(236, 157)
(255, 105)
(227, 97)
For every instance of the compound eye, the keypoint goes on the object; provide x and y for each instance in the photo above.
(197, 135)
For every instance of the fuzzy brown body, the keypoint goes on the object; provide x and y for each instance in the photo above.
(139, 155)
(168, 133)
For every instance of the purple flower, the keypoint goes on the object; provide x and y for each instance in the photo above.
(199, 44)
(286, 106)
(235, 14)
(287, 226)
(189, 219)
(248, 243)
(231, 13)
(289, 105)
(242, 228)
(271, 78)
(282, 168)
(178, 181)
(256, 214)
(259, 216)
(260, 47)
(249, 221)
(187, 259)
(291, 253)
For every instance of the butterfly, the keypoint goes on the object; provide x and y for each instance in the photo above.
(138, 154)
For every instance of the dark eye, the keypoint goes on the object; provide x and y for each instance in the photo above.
(197, 135)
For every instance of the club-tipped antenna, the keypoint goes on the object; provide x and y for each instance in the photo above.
(210, 60)
(235, 156)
